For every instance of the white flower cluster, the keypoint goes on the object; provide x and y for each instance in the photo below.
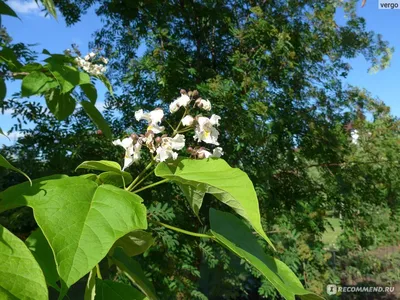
(165, 147)
(354, 136)
(89, 66)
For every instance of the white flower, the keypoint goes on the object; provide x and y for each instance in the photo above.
(153, 118)
(177, 142)
(354, 136)
(217, 152)
(187, 121)
(205, 130)
(165, 150)
(104, 60)
(204, 104)
(183, 100)
(132, 151)
(149, 140)
(92, 54)
(87, 57)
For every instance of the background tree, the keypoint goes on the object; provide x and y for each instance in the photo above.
(275, 70)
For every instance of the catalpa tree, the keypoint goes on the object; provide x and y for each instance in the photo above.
(100, 216)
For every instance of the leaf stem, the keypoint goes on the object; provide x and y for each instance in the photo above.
(130, 187)
(98, 271)
(150, 185)
(201, 235)
(180, 122)
(143, 179)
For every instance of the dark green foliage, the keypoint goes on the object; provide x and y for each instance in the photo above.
(274, 71)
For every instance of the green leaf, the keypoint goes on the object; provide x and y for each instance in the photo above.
(68, 77)
(20, 274)
(90, 92)
(233, 234)
(90, 288)
(8, 56)
(80, 219)
(120, 179)
(111, 290)
(3, 90)
(4, 163)
(89, 176)
(106, 83)
(50, 7)
(36, 83)
(61, 105)
(132, 269)
(43, 254)
(31, 67)
(214, 176)
(100, 165)
(97, 118)
(6, 10)
(2, 133)
(134, 243)
(194, 196)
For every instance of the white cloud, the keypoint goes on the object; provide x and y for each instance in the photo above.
(11, 138)
(29, 7)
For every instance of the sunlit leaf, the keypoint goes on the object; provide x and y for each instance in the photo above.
(214, 176)
(233, 234)
(80, 219)
(20, 275)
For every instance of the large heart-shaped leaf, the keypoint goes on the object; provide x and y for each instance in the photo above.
(214, 176)
(43, 254)
(80, 219)
(111, 290)
(232, 233)
(20, 274)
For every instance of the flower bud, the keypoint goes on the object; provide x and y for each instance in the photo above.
(99, 132)
(190, 93)
(164, 136)
(183, 92)
(200, 155)
(189, 150)
(158, 140)
(195, 93)
(148, 133)
(134, 137)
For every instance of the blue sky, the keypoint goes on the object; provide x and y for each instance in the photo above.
(55, 36)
